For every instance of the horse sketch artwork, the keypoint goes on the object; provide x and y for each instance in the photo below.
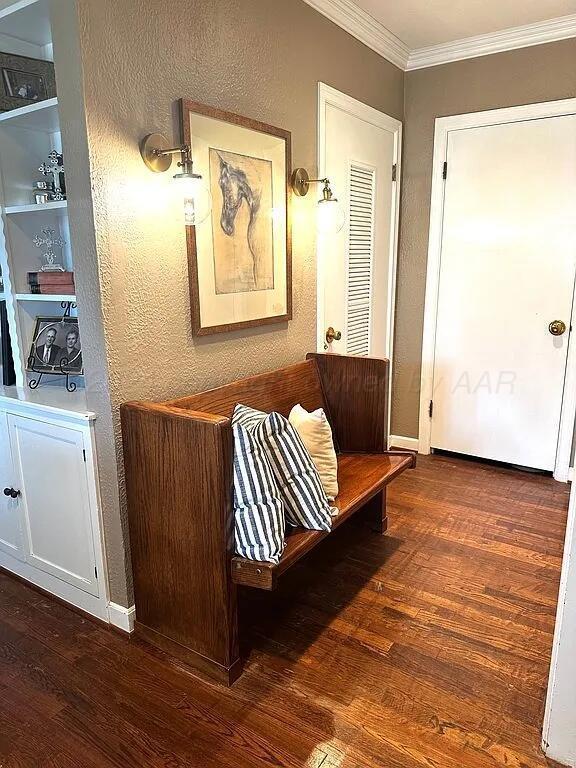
(239, 257)
(242, 222)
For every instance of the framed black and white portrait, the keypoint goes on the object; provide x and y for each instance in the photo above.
(56, 346)
(240, 257)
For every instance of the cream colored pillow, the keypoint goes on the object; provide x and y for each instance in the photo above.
(316, 434)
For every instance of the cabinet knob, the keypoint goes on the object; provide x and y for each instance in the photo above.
(12, 492)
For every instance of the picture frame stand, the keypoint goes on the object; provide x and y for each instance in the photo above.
(35, 383)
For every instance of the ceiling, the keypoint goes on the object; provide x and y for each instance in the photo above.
(414, 34)
(422, 23)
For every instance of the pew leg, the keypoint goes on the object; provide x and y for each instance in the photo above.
(377, 514)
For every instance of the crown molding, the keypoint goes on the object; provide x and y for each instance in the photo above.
(365, 28)
(361, 25)
(509, 39)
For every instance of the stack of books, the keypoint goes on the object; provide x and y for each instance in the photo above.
(51, 282)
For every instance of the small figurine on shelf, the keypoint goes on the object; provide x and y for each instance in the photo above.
(47, 239)
(43, 191)
(51, 191)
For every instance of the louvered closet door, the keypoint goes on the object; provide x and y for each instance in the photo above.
(357, 265)
(360, 259)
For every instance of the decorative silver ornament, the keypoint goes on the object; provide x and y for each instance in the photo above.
(48, 240)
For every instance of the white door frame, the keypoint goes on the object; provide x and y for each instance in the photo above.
(443, 126)
(558, 740)
(328, 96)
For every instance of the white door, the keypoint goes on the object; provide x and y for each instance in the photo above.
(10, 507)
(49, 461)
(359, 153)
(507, 271)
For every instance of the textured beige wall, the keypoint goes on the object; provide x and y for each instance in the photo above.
(260, 58)
(540, 73)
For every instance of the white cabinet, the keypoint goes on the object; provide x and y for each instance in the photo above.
(11, 539)
(50, 528)
(50, 468)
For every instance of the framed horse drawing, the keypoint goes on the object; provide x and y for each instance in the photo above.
(240, 257)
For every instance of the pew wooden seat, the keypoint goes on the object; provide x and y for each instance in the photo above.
(361, 476)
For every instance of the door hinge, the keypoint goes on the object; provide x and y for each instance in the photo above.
(95, 572)
(394, 171)
(431, 409)
(84, 454)
(445, 170)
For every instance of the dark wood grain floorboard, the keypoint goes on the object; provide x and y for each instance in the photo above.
(426, 648)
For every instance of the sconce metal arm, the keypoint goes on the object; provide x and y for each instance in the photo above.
(157, 154)
(301, 182)
(170, 150)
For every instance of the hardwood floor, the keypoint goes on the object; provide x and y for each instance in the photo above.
(427, 648)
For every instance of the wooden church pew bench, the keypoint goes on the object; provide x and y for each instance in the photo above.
(178, 463)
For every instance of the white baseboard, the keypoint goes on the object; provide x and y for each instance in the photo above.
(122, 618)
(410, 443)
(564, 475)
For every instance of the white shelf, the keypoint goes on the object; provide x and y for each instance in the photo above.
(33, 208)
(45, 297)
(42, 116)
(27, 20)
(52, 400)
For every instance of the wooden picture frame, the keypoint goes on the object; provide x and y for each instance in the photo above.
(239, 279)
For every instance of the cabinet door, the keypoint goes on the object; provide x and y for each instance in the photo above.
(11, 540)
(49, 461)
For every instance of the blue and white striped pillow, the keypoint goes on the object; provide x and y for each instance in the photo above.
(258, 508)
(305, 501)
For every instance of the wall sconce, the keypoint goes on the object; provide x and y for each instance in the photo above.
(157, 154)
(331, 216)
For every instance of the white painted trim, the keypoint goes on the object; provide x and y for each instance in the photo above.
(556, 700)
(122, 618)
(571, 475)
(568, 411)
(409, 443)
(548, 31)
(15, 7)
(365, 28)
(330, 96)
(443, 126)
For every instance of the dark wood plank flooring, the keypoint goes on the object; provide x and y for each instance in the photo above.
(427, 648)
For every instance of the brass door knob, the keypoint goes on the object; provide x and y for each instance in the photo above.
(332, 335)
(557, 327)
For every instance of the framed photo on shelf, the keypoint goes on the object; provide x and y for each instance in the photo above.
(240, 257)
(24, 81)
(56, 346)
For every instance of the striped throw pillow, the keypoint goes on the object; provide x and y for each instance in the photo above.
(305, 501)
(258, 507)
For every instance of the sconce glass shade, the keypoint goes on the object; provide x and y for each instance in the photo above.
(331, 216)
(196, 198)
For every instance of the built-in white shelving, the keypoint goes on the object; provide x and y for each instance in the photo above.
(25, 28)
(42, 116)
(34, 208)
(27, 136)
(45, 297)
